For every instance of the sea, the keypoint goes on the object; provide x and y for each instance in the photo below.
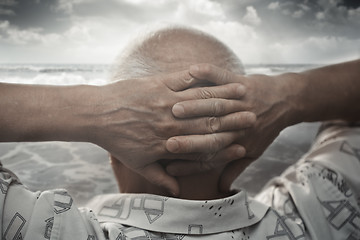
(99, 74)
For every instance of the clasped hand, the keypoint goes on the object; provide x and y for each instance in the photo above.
(269, 98)
(136, 123)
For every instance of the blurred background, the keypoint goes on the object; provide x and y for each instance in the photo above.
(91, 31)
(75, 41)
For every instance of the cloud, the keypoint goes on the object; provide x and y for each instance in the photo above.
(317, 50)
(251, 16)
(94, 31)
(241, 38)
(354, 15)
(15, 36)
(8, 2)
(298, 14)
(304, 7)
(205, 7)
(4, 25)
(4, 4)
(273, 5)
(79, 33)
(320, 15)
(67, 6)
(189, 12)
(140, 2)
(6, 12)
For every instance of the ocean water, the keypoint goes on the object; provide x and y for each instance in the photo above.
(83, 169)
(98, 74)
(55, 74)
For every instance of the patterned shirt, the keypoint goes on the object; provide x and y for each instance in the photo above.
(317, 198)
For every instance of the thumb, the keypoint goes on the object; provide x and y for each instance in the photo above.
(157, 175)
(214, 74)
(231, 172)
(179, 81)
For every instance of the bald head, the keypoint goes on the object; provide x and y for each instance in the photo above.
(173, 49)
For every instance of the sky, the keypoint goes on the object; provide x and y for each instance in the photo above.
(258, 31)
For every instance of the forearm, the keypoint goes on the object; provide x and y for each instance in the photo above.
(44, 113)
(331, 92)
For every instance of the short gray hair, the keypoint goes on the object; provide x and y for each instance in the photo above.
(135, 61)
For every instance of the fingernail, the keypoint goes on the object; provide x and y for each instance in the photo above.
(173, 192)
(194, 68)
(241, 90)
(189, 80)
(178, 110)
(240, 152)
(252, 118)
(172, 145)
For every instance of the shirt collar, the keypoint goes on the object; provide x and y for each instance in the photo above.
(172, 215)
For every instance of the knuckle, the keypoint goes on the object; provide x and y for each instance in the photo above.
(205, 161)
(248, 118)
(205, 93)
(168, 128)
(233, 153)
(206, 68)
(186, 145)
(201, 158)
(223, 75)
(253, 117)
(160, 103)
(159, 180)
(237, 90)
(214, 124)
(218, 108)
(241, 134)
(215, 142)
(206, 166)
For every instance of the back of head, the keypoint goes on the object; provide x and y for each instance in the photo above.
(173, 49)
(165, 51)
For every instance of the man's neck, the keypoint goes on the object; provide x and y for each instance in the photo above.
(202, 186)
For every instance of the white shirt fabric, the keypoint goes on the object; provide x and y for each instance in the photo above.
(318, 198)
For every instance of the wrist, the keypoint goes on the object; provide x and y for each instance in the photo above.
(82, 106)
(293, 87)
(101, 115)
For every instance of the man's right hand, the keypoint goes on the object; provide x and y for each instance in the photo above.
(270, 98)
(320, 94)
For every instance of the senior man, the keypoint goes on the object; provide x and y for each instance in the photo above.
(317, 198)
(131, 119)
(314, 199)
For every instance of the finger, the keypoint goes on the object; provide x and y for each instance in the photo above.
(231, 172)
(228, 91)
(179, 81)
(207, 125)
(207, 107)
(201, 143)
(214, 74)
(206, 162)
(156, 174)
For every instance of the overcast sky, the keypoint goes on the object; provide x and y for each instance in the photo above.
(94, 31)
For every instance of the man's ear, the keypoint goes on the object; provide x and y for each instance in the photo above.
(117, 170)
(113, 159)
(115, 164)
